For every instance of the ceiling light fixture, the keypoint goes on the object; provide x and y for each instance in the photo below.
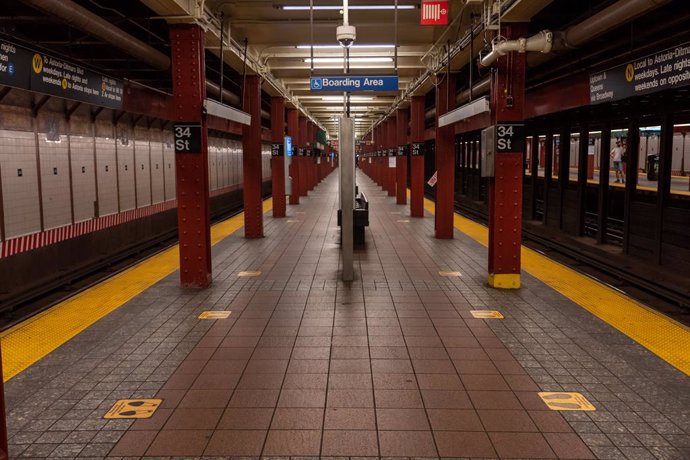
(335, 47)
(335, 60)
(351, 7)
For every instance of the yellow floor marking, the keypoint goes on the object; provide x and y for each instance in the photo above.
(486, 314)
(214, 314)
(661, 335)
(31, 340)
(249, 274)
(133, 408)
(450, 274)
(566, 401)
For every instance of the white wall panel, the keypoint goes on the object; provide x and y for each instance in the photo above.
(19, 183)
(83, 181)
(107, 176)
(157, 167)
(142, 153)
(212, 163)
(55, 180)
(169, 164)
(126, 165)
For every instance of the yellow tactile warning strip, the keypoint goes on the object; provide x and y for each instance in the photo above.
(31, 340)
(661, 335)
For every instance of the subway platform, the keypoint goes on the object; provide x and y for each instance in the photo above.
(392, 365)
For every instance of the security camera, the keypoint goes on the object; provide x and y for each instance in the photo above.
(346, 35)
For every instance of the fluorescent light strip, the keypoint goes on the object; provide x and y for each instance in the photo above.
(352, 98)
(351, 7)
(335, 47)
(335, 60)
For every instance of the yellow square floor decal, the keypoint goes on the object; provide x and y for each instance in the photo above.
(215, 314)
(292, 221)
(404, 221)
(246, 274)
(566, 401)
(486, 314)
(450, 274)
(133, 408)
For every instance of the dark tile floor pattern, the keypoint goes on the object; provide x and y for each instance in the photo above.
(392, 366)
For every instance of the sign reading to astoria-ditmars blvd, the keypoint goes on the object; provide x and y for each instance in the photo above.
(657, 72)
(350, 84)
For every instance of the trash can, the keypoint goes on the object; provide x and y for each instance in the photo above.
(653, 167)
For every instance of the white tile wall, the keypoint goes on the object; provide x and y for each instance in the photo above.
(83, 182)
(157, 169)
(213, 155)
(169, 162)
(142, 153)
(125, 159)
(55, 182)
(107, 175)
(20, 194)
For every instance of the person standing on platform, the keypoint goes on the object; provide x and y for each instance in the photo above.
(617, 159)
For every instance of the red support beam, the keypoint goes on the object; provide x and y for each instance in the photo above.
(417, 156)
(402, 121)
(445, 158)
(391, 125)
(293, 132)
(505, 188)
(278, 162)
(251, 160)
(302, 161)
(189, 89)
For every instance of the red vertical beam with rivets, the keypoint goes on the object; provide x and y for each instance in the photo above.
(417, 161)
(392, 147)
(505, 188)
(303, 140)
(251, 159)
(402, 120)
(191, 169)
(278, 162)
(293, 132)
(311, 163)
(445, 158)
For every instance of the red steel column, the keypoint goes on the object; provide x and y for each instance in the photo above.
(191, 169)
(390, 171)
(251, 159)
(293, 132)
(505, 188)
(401, 161)
(445, 159)
(278, 162)
(303, 139)
(417, 156)
(311, 163)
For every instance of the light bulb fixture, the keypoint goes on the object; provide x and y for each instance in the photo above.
(336, 47)
(351, 7)
(335, 60)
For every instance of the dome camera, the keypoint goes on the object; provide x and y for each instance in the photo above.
(346, 35)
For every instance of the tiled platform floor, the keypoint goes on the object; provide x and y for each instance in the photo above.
(392, 365)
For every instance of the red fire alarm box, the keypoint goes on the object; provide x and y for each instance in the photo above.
(435, 13)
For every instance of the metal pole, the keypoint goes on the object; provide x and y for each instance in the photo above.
(222, 65)
(346, 137)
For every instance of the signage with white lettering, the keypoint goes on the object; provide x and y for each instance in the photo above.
(510, 137)
(277, 150)
(187, 137)
(417, 149)
(664, 70)
(354, 84)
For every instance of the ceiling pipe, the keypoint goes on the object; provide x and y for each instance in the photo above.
(86, 21)
(541, 42)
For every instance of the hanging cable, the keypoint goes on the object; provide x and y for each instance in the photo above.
(244, 68)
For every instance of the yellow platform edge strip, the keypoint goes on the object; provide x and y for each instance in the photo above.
(29, 341)
(666, 338)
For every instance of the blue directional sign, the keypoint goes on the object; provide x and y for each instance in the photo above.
(351, 84)
(288, 146)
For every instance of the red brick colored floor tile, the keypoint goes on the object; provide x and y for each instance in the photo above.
(216, 382)
(464, 444)
(350, 398)
(297, 419)
(254, 398)
(134, 443)
(293, 443)
(402, 420)
(394, 382)
(349, 419)
(261, 381)
(238, 418)
(190, 443)
(521, 383)
(454, 420)
(156, 422)
(506, 420)
(343, 443)
(193, 419)
(485, 382)
(349, 381)
(208, 399)
(494, 400)
(521, 445)
(548, 421)
(568, 445)
(305, 381)
(302, 398)
(408, 399)
(407, 444)
(235, 443)
(446, 399)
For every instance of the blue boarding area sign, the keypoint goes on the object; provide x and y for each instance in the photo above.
(288, 146)
(351, 84)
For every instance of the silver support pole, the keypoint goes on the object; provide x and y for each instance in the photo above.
(346, 137)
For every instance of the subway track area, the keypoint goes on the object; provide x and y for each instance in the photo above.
(394, 364)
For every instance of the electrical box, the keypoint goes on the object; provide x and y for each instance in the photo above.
(488, 151)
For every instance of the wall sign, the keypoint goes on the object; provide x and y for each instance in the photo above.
(434, 13)
(187, 137)
(666, 69)
(510, 137)
(417, 149)
(403, 150)
(348, 83)
(277, 150)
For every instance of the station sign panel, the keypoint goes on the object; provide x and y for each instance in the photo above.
(187, 137)
(666, 69)
(353, 84)
(434, 13)
(510, 137)
(31, 70)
